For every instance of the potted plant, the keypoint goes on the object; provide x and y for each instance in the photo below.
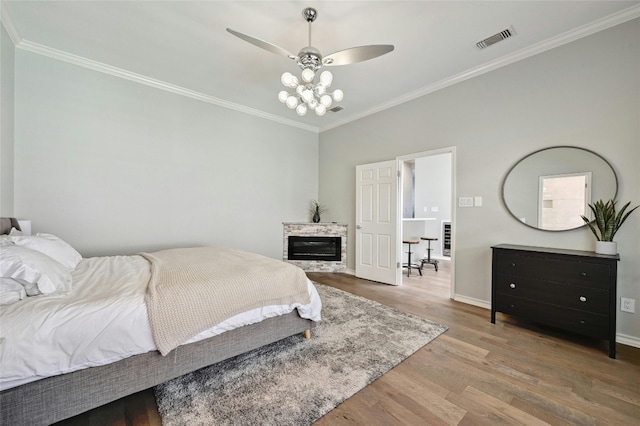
(607, 221)
(316, 210)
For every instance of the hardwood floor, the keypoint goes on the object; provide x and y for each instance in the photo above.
(477, 373)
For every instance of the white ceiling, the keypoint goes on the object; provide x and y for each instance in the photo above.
(182, 46)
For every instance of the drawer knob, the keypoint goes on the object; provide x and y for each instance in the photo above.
(583, 299)
(512, 285)
(584, 274)
(513, 265)
(512, 306)
(583, 322)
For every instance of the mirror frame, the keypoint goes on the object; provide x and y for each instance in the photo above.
(506, 176)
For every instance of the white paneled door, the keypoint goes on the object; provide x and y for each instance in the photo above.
(377, 222)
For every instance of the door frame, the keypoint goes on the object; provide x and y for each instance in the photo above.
(401, 159)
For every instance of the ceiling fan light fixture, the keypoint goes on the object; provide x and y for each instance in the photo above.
(308, 75)
(326, 101)
(301, 110)
(326, 78)
(309, 94)
(292, 102)
(286, 79)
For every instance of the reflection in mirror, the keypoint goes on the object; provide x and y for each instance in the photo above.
(549, 189)
(563, 200)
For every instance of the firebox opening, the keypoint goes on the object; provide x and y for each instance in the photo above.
(315, 248)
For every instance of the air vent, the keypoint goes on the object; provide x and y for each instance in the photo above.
(336, 109)
(496, 38)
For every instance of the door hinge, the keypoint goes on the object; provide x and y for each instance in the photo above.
(397, 265)
(398, 172)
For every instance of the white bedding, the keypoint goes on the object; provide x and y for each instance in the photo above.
(102, 320)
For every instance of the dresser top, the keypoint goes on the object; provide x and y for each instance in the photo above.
(556, 251)
(315, 223)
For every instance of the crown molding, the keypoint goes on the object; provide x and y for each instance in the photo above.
(8, 24)
(158, 84)
(559, 40)
(60, 55)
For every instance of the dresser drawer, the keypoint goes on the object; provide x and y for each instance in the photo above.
(582, 322)
(560, 270)
(589, 299)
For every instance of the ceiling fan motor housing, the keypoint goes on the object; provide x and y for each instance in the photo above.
(309, 57)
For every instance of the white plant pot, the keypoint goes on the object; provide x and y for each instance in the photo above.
(606, 247)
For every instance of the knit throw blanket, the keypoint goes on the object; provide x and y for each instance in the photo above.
(193, 289)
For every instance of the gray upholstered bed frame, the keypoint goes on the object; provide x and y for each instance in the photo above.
(56, 398)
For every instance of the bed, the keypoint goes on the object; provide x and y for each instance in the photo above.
(99, 335)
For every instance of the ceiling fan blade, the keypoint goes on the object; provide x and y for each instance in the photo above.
(263, 44)
(356, 54)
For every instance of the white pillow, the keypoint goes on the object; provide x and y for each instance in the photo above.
(30, 266)
(52, 246)
(11, 291)
(30, 288)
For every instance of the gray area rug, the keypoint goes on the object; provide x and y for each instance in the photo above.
(297, 381)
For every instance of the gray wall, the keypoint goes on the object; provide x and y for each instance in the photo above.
(7, 55)
(114, 166)
(586, 93)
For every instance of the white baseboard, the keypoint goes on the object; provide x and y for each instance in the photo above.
(472, 301)
(628, 340)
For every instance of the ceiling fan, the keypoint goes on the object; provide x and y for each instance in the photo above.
(307, 94)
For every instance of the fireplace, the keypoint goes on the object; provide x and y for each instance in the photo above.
(314, 248)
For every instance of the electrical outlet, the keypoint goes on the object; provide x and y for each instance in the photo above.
(628, 305)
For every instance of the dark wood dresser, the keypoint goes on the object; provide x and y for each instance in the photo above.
(568, 289)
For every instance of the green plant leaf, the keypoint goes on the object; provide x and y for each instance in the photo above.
(599, 210)
(621, 217)
(607, 220)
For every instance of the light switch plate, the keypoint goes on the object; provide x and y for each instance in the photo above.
(465, 202)
(477, 201)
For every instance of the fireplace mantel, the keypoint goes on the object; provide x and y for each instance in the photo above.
(322, 229)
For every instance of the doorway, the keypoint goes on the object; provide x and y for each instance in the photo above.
(426, 202)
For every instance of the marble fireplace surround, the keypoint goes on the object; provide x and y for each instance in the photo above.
(305, 229)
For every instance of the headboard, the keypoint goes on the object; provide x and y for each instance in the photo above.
(7, 223)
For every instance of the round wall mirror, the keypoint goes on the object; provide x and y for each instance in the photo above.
(551, 188)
